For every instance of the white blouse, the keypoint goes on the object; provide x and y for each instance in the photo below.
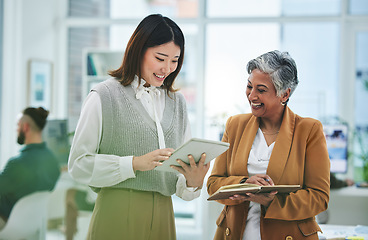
(258, 160)
(102, 170)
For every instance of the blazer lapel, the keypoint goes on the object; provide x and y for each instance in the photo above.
(281, 150)
(246, 141)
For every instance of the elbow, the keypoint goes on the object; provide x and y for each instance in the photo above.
(326, 201)
(324, 198)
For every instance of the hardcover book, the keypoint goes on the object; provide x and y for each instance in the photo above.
(227, 191)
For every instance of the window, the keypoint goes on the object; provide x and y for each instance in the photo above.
(231, 46)
(317, 93)
(276, 8)
(311, 7)
(243, 8)
(170, 8)
(358, 7)
(89, 8)
(361, 98)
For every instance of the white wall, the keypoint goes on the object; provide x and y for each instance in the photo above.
(31, 31)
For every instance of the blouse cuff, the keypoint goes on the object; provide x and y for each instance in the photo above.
(126, 167)
(184, 192)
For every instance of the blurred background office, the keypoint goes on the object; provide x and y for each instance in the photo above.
(53, 52)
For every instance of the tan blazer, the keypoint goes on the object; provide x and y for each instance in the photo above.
(299, 157)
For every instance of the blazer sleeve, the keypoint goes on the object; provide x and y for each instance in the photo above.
(219, 176)
(314, 196)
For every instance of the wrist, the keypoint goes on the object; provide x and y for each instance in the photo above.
(197, 186)
(134, 163)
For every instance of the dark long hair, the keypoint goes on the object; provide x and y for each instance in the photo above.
(153, 30)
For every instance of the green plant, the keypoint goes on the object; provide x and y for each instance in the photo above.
(362, 140)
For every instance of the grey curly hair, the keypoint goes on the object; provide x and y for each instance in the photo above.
(281, 68)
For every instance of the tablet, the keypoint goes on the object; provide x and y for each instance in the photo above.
(195, 147)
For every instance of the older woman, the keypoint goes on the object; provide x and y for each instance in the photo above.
(272, 145)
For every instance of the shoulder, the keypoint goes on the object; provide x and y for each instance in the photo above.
(14, 160)
(306, 122)
(308, 128)
(17, 162)
(104, 85)
(239, 119)
(178, 96)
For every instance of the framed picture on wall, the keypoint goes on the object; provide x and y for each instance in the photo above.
(39, 84)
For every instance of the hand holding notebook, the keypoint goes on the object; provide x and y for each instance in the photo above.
(227, 191)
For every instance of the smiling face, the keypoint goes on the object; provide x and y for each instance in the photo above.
(159, 62)
(261, 94)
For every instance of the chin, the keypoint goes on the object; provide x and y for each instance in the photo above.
(158, 84)
(257, 114)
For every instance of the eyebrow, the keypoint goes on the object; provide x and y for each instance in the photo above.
(259, 85)
(165, 55)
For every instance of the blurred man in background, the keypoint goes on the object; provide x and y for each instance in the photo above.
(34, 169)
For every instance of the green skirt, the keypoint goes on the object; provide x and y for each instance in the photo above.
(131, 214)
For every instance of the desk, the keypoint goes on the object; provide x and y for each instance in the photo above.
(348, 206)
(342, 231)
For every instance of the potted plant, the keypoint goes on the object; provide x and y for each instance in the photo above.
(362, 140)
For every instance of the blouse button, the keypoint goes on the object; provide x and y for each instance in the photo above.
(227, 231)
(289, 238)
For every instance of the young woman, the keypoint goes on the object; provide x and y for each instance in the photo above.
(129, 124)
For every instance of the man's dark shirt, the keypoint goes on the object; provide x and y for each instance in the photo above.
(336, 183)
(34, 169)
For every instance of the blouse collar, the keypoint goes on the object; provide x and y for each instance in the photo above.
(140, 88)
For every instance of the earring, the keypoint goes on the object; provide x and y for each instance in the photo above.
(284, 103)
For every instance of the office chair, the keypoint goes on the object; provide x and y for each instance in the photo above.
(28, 218)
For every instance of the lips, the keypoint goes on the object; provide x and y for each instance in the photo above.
(159, 76)
(256, 105)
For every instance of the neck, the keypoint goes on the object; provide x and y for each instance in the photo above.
(32, 139)
(270, 127)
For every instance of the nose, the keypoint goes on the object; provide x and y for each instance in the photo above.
(251, 94)
(166, 68)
